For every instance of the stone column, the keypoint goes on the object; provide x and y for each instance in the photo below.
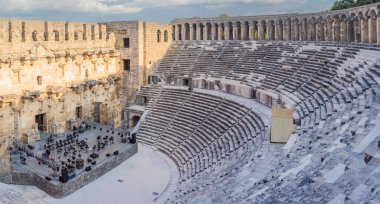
(329, 31)
(372, 31)
(343, 30)
(288, 30)
(270, 30)
(243, 31)
(378, 30)
(226, 31)
(276, 31)
(191, 32)
(220, 31)
(364, 30)
(295, 35)
(320, 36)
(176, 30)
(261, 31)
(304, 30)
(250, 30)
(183, 29)
(336, 30)
(350, 30)
(198, 31)
(205, 32)
(234, 31)
(213, 31)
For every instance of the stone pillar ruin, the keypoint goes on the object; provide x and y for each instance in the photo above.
(343, 30)
(213, 31)
(364, 30)
(243, 33)
(278, 31)
(295, 26)
(176, 31)
(304, 29)
(288, 29)
(261, 30)
(372, 31)
(198, 31)
(378, 29)
(191, 32)
(235, 31)
(220, 31)
(183, 32)
(226, 31)
(336, 30)
(250, 30)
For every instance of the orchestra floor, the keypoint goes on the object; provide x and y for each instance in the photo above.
(137, 180)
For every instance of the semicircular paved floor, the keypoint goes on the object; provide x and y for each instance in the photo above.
(133, 181)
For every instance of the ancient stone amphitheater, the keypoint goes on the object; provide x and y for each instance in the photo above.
(249, 109)
(324, 66)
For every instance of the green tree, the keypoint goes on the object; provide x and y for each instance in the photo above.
(225, 15)
(344, 4)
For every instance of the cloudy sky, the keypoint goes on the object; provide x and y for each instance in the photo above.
(162, 11)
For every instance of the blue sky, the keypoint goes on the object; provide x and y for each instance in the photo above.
(161, 11)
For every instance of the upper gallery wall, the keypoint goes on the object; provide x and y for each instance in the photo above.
(359, 24)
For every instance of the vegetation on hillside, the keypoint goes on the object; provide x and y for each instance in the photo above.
(343, 4)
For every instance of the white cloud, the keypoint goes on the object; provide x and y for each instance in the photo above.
(87, 6)
(117, 6)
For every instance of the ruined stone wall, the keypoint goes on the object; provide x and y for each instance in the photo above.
(158, 39)
(359, 25)
(52, 68)
(144, 52)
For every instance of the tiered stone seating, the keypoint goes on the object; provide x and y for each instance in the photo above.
(198, 130)
(333, 154)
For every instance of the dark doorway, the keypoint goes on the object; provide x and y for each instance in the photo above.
(40, 120)
(185, 82)
(134, 121)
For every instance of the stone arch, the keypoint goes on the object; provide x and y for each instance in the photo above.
(296, 29)
(216, 31)
(237, 31)
(343, 27)
(194, 34)
(76, 37)
(363, 27)
(312, 29)
(262, 30)
(228, 30)
(336, 28)
(201, 31)
(329, 28)
(179, 30)
(271, 30)
(288, 31)
(372, 26)
(320, 34)
(222, 30)
(158, 36)
(173, 33)
(186, 31)
(304, 29)
(208, 33)
(279, 29)
(34, 36)
(245, 33)
(56, 35)
(166, 37)
(255, 30)
(134, 120)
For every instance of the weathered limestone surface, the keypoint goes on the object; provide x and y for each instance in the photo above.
(53, 68)
(148, 44)
(360, 24)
